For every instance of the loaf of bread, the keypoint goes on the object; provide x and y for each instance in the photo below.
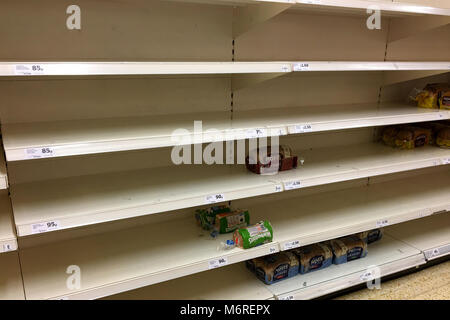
(434, 95)
(272, 162)
(230, 221)
(254, 235)
(349, 248)
(370, 236)
(313, 257)
(274, 267)
(206, 218)
(411, 137)
(443, 138)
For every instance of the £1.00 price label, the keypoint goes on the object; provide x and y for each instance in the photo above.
(45, 226)
(214, 198)
(302, 128)
(29, 69)
(217, 263)
(291, 244)
(291, 185)
(37, 153)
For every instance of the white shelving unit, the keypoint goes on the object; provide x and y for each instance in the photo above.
(79, 137)
(94, 114)
(8, 241)
(430, 235)
(180, 248)
(389, 255)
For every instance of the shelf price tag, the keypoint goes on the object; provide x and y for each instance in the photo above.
(217, 263)
(291, 185)
(7, 247)
(382, 223)
(255, 133)
(214, 198)
(302, 128)
(29, 69)
(287, 298)
(291, 244)
(45, 226)
(38, 153)
(304, 66)
(446, 161)
(311, 1)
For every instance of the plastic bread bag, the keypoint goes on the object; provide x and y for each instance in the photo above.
(313, 257)
(254, 235)
(275, 267)
(443, 138)
(206, 217)
(433, 95)
(349, 248)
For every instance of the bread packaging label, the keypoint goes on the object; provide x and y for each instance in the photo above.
(347, 249)
(313, 257)
(230, 221)
(255, 235)
(275, 267)
(371, 235)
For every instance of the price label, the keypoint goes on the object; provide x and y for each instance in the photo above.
(272, 250)
(287, 298)
(45, 226)
(382, 223)
(301, 66)
(7, 247)
(446, 161)
(217, 263)
(311, 1)
(255, 133)
(214, 198)
(368, 275)
(278, 188)
(302, 128)
(29, 69)
(291, 185)
(37, 153)
(291, 244)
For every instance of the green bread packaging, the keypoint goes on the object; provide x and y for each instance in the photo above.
(230, 221)
(254, 235)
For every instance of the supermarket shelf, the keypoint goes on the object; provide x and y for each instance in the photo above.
(3, 173)
(77, 201)
(389, 255)
(37, 68)
(430, 235)
(124, 260)
(68, 138)
(11, 286)
(229, 283)
(323, 216)
(334, 117)
(8, 241)
(334, 6)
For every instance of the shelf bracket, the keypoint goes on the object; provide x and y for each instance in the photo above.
(393, 77)
(246, 17)
(241, 81)
(401, 28)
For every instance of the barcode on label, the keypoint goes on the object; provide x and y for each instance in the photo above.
(28, 69)
(301, 66)
(37, 153)
(255, 133)
(382, 223)
(216, 263)
(45, 226)
(7, 247)
(302, 128)
(292, 185)
(291, 244)
(214, 198)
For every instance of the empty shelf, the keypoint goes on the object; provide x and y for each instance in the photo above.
(124, 260)
(77, 201)
(228, 283)
(430, 235)
(11, 286)
(78, 137)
